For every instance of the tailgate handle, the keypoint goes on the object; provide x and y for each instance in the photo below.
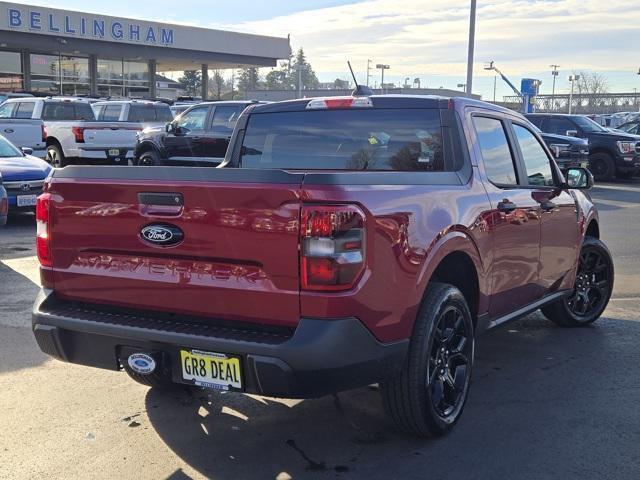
(165, 199)
(167, 204)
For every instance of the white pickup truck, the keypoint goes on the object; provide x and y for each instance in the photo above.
(74, 135)
(17, 126)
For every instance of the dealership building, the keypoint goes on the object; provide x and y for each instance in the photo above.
(52, 51)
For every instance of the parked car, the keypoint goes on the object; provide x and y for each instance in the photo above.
(4, 204)
(20, 129)
(343, 242)
(73, 135)
(630, 127)
(610, 153)
(144, 112)
(199, 135)
(23, 175)
(179, 109)
(568, 151)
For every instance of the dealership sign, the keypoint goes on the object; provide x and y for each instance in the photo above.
(73, 24)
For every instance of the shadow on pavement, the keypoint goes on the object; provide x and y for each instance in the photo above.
(19, 350)
(546, 402)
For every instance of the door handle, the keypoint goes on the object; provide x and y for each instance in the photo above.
(547, 206)
(8, 130)
(506, 206)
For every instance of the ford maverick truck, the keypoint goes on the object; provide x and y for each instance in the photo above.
(342, 242)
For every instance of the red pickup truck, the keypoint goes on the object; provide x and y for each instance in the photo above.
(342, 242)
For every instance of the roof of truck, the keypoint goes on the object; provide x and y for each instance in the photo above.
(384, 101)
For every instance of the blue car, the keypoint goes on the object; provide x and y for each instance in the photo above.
(23, 176)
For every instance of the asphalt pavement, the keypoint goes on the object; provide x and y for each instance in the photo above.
(546, 402)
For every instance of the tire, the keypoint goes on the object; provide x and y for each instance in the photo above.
(150, 158)
(415, 398)
(55, 156)
(592, 290)
(602, 166)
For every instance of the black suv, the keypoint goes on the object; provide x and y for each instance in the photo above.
(611, 153)
(198, 136)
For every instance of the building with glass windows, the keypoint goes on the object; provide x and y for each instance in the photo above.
(58, 52)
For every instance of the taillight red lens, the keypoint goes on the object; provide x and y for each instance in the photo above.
(44, 133)
(4, 206)
(43, 237)
(332, 240)
(78, 133)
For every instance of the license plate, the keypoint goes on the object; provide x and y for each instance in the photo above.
(211, 370)
(26, 200)
(114, 152)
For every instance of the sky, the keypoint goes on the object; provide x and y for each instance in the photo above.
(426, 39)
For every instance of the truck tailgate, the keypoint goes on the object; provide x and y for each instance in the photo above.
(238, 259)
(111, 134)
(23, 132)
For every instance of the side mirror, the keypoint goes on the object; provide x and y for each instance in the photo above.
(579, 178)
(572, 133)
(27, 150)
(169, 127)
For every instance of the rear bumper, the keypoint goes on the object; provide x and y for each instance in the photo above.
(318, 358)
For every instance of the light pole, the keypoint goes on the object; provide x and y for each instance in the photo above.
(572, 79)
(382, 67)
(463, 86)
(495, 84)
(555, 73)
(406, 82)
(472, 37)
(369, 61)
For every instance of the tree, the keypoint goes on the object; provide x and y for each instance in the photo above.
(301, 70)
(591, 85)
(248, 79)
(341, 84)
(217, 85)
(276, 79)
(192, 81)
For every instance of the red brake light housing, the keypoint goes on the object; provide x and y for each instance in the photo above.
(44, 133)
(332, 247)
(78, 133)
(43, 237)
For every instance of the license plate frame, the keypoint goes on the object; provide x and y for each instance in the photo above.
(26, 200)
(215, 365)
(113, 152)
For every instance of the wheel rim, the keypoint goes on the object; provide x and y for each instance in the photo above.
(146, 161)
(592, 284)
(52, 157)
(599, 168)
(449, 369)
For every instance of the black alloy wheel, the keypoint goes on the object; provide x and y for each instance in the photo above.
(449, 371)
(592, 289)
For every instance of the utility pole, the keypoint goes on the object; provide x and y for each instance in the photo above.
(369, 61)
(299, 80)
(572, 79)
(555, 73)
(472, 37)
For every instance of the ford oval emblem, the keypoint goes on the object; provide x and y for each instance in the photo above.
(162, 235)
(141, 363)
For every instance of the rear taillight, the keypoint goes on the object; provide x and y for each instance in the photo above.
(78, 133)
(4, 206)
(339, 102)
(43, 237)
(44, 133)
(332, 247)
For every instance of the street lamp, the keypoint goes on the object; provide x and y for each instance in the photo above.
(369, 62)
(555, 73)
(382, 67)
(472, 37)
(463, 86)
(406, 82)
(572, 79)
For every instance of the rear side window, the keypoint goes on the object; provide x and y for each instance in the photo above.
(536, 120)
(224, 119)
(67, 111)
(6, 110)
(356, 139)
(25, 110)
(149, 113)
(496, 154)
(163, 113)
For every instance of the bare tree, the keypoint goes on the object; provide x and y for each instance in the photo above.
(590, 90)
(216, 86)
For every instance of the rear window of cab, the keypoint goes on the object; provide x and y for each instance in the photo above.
(347, 139)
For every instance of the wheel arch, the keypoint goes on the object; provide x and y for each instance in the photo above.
(456, 259)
